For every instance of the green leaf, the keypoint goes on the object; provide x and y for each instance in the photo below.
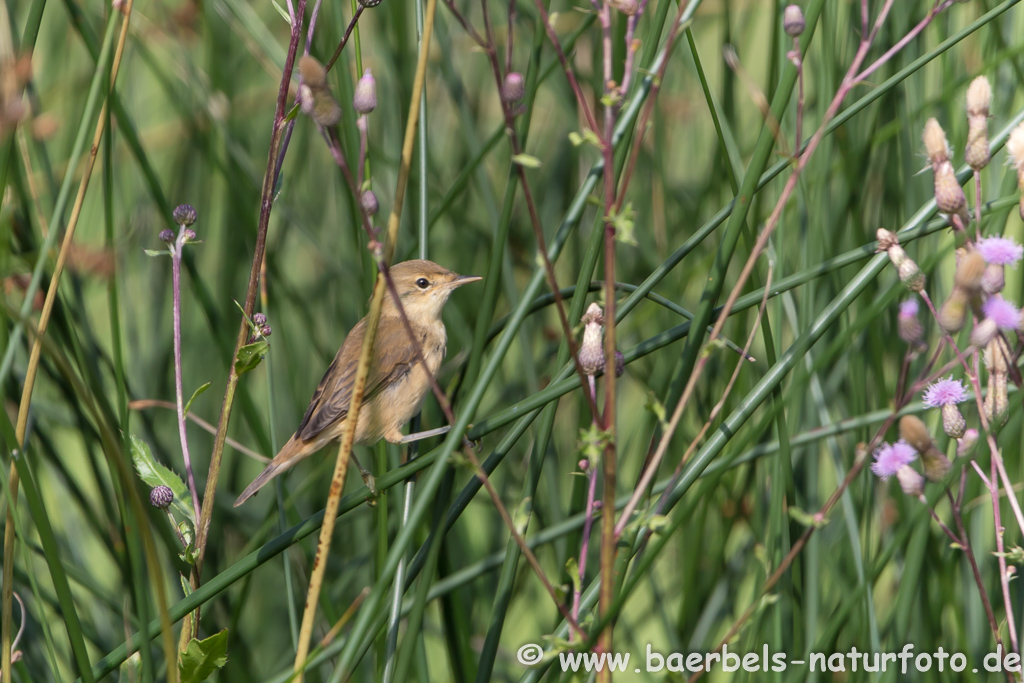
(282, 12)
(157, 252)
(573, 570)
(195, 394)
(202, 657)
(155, 474)
(624, 223)
(526, 160)
(806, 518)
(250, 355)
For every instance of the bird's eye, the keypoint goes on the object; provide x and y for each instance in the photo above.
(423, 283)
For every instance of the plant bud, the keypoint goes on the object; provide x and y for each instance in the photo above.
(969, 272)
(591, 353)
(935, 143)
(793, 20)
(953, 313)
(368, 202)
(627, 7)
(189, 234)
(312, 72)
(907, 324)
(184, 215)
(514, 87)
(911, 275)
(365, 98)
(1015, 150)
(984, 332)
(259, 319)
(994, 279)
(936, 465)
(161, 497)
(966, 443)
(265, 330)
(949, 196)
(887, 239)
(953, 422)
(979, 98)
(910, 480)
(167, 235)
(913, 431)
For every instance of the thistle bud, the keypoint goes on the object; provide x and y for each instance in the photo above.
(1015, 149)
(514, 87)
(979, 97)
(949, 196)
(312, 72)
(907, 324)
(265, 330)
(966, 443)
(909, 272)
(368, 202)
(167, 235)
(936, 464)
(184, 215)
(591, 355)
(161, 497)
(793, 20)
(953, 422)
(994, 279)
(913, 431)
(584, 464)
(259, 319)
(365, 98)
(935, 143)
(887, 239)
(627, 7)
(984, 332)
(969, 272)
(953, 312)
(910, 480)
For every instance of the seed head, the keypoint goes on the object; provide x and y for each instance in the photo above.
(935, 143)
(793, 20)
(514, 87)
(887, 239)
(365, 98)
(184, 215)
(627, 7)
(161, 497)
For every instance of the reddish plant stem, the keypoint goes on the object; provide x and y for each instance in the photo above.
(178, 245)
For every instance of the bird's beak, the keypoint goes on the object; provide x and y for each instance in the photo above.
(464, 280)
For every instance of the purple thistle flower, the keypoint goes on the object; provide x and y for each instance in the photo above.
(945, 392)
(909, 308)
(889, 459)
(1002, 312)
(1000, 251)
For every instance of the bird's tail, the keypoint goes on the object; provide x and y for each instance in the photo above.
(291, 453)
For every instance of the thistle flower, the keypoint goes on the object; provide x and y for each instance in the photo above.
(947, 391)
(365, 98)
(1004, 313)
(591, 354)
(910, 480)
(979, 98)
(907, 324)
(793, 21)
(1000, 251)
(889, 459)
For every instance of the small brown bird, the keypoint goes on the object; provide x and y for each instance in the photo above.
(396, 383)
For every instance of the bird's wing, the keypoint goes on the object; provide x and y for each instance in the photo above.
(394, 357)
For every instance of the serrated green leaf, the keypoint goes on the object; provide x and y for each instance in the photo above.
(202, 657)
(526, 161)
(250, 355)
(155, 474)
(195, 394)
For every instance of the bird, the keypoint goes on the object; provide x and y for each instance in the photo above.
(396, 384)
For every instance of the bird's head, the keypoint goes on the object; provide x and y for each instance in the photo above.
(424, 288)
